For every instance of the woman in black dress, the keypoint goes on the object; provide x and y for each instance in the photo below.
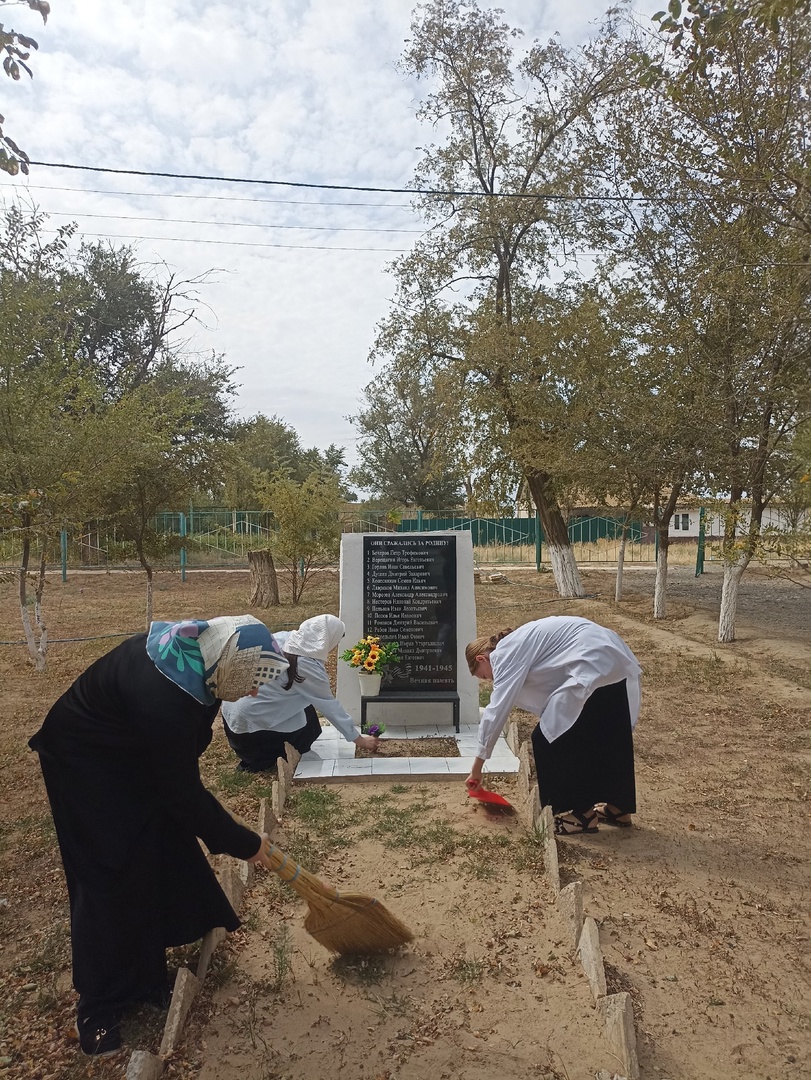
(119, 754)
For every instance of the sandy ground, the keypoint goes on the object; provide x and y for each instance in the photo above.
(703, 907)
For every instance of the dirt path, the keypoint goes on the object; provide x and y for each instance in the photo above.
(487, 986)
(703, 907)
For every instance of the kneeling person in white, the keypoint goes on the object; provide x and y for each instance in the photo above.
(287, 711)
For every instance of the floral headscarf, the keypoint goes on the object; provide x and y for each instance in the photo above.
(216, 659)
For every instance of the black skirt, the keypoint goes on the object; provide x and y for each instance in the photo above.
(591, 762)
(259, 750)
(119, 753)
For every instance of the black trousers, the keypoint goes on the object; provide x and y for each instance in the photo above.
(259, 750)
(591, 762)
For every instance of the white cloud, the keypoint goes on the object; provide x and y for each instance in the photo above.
(297, 90)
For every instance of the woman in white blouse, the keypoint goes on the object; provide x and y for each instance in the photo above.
(258, 727)
(582, 681)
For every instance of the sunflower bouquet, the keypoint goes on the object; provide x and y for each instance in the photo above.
(372, 655)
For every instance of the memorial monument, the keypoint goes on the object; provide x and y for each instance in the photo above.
(416, 589)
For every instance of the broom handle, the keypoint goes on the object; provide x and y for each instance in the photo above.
(272, 858)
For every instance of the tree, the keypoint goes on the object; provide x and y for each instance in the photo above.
(409, 440)
(128, 316)
(42, 397)
(695, 35)
(624, 421)
(87, 431)
(262, 446)
(17, 48)
(758, 145)
(471, 293)
(145, 463)
(307, 527)
(734, 174)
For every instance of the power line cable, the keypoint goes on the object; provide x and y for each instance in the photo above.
(235, 243)
(547, 196)
(290, 247)
(230, 224)
(217, 198)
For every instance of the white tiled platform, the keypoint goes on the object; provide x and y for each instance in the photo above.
(332, 758)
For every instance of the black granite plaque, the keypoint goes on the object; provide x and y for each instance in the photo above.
(409, 596)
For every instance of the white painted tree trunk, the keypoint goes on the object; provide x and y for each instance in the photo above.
(660, 589)
(564, 569)
(620, 568)
(37, 652)
(733, 572)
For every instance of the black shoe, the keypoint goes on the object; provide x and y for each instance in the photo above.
(98, 1039)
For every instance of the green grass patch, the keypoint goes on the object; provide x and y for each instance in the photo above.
(466, 970)
(320, 808)
(527, 852)
(237, 782)
(360, 970)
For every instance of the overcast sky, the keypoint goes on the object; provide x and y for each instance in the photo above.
(284, 90)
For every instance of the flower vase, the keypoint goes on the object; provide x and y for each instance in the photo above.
(369, 683)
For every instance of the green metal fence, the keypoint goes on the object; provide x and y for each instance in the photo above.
(219, 537)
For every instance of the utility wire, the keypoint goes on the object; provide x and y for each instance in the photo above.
(217, 198)
(232, 224)
(287, 247)
(236, 243)
(547, 196)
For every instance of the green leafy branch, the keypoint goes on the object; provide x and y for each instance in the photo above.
(17, 48)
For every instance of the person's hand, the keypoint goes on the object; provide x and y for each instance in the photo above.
(474, 781)
(367, 742)
(263, 849)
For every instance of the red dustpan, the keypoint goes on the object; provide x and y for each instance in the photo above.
(485, 796)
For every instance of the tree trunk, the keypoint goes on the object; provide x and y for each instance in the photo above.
(733, 572)
(737, 556)
(264, 583)
(148, 571)
(38, 593)
(36, 650)
(660, 588)
(561, 556)
(620, 564)
(662, 517)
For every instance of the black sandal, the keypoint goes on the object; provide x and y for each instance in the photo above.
(582, 823)
(608, 817)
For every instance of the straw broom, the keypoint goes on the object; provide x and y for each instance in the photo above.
(344, 923)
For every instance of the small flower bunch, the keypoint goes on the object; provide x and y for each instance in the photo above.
(371, 654)
(375, 730)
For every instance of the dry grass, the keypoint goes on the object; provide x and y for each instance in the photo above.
(715, 890)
